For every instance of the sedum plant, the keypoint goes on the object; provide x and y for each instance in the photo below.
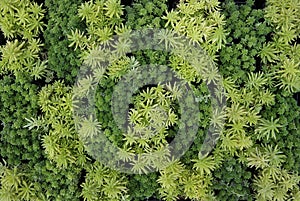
(284, 17)
(201, 21)
(21, 23)
(256, 155)
(21, 18)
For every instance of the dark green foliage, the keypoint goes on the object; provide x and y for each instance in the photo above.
(17, 102)
(147, 14)
(202, 95)
(143, 13)
(248, 31)
(22, 147)
(104, 113)
(232, 181)
(142, 187)
(62, 18)
(287, 139)
(56, 184)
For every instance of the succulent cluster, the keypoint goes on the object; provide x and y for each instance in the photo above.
(149, 100)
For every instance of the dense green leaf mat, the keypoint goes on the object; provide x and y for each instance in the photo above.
(254, 45)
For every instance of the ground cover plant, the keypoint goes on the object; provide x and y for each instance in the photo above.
(253, 48)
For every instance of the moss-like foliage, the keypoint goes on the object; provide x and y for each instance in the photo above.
(54, 54)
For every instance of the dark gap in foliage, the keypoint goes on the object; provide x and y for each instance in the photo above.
(181, 199)
(240, 2)
(172, 4)
(298, 40)
(236, 40)
(43, 48)
(39, 2)
(126, 2)
(2, 38)
(269, 37)
(259, 4)
(40, 83)
(261, 20)
(151, 199)
(237, 2)
(172, 133)
(131, 106)
(195, 84)
(258, 64)
(1, 125)
(2, 42)
(129, 55)
(198, 84)
(155, 199)
(82, 176)
(297, 98)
